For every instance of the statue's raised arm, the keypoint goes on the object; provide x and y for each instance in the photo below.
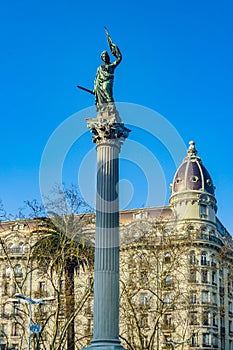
(103, 85)
(113, 48)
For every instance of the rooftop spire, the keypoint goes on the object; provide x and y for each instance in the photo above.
(192, 152)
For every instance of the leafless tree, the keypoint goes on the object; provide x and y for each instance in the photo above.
(155, 300)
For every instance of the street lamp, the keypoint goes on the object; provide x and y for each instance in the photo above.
(23, 299)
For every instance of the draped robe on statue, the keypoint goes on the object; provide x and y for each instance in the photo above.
(103, 85)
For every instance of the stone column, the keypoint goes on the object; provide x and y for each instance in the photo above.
(109, 134)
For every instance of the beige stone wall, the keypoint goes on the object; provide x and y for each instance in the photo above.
(176, 286)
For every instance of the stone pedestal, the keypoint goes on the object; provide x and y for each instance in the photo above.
(109, 133)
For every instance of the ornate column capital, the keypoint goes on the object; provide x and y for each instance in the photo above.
(107, 127)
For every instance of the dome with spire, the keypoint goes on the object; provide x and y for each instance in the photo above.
(192, 175)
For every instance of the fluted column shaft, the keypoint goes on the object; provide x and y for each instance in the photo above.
(109, 133)
(106, 287)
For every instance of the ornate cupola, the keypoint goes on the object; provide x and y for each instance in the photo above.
(193, 192)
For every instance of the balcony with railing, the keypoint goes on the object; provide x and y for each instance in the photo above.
(209, 238)
(14, 251)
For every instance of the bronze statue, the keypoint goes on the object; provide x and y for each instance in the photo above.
(107, 126)
(103, 84)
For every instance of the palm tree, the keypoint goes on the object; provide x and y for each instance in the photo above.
(62, 247)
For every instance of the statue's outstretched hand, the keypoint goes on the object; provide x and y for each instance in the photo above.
(114, 50)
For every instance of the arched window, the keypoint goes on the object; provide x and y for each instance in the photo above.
(8, 271)
(144, 321)
(203, 258)
(193, 298)
(143, 256)
(203, 210)
(205, 318)
(11, 247)
(21, 247)
(193, 275)
(192, 257)
(144, 299)
(215, 320)
(18, 269)
(213, 260)
(143, 276)
(167, 258)
(168, 281)
(16, 329)
(205, 339)
(193, 317)
(194, 340)
(204, 297)
(168, 298)
(204, 276)
(215, 340)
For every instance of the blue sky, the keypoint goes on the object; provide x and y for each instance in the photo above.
(177, 60)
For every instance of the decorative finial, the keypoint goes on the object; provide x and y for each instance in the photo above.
(192, 152)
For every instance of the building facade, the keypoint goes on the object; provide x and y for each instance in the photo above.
(176, 276)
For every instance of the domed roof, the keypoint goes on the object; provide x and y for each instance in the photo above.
(192, 175)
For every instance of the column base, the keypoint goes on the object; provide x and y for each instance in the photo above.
(105, 345)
